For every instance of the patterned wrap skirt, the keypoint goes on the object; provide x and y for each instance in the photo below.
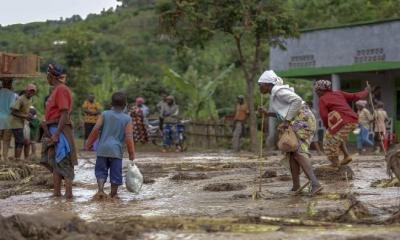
(304, 125)
(332, 142)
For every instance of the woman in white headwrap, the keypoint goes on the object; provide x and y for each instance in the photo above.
(287, 106)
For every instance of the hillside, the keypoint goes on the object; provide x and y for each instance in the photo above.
(123, 49)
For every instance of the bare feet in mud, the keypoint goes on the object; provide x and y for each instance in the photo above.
(69, 196)
(101, 196)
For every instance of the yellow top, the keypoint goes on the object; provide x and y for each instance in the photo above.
(93, 107)
(22, 106)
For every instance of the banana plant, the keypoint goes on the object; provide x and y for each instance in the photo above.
(199, 90)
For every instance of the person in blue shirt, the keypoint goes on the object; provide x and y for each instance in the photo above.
(7, 100)
(113, 128)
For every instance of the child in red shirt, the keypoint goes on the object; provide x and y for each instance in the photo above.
(338, 118)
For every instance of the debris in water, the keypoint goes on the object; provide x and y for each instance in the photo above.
(395, 218)
(334, 174)
(241, 196)
(269, 174)
(285, 178)
(223, 187)
(188, 176)
(384, 183)
(147, 180)
(356, 210)
(14, 171)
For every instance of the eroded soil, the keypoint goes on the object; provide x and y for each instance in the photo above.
(203, 196)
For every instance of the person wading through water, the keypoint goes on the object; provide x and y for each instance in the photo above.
(286, 105)
(58, 147)
(116, 128)
(338, 118)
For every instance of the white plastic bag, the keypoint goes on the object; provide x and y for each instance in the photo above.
(134, 179)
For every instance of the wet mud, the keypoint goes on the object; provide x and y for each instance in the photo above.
(269, 174)
(189, 176)
(174, 202)
(334, 174)
(223, 187)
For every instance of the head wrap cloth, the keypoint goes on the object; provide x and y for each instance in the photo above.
(362, 103)
(270, 76)
(323, 85)
(58, 71)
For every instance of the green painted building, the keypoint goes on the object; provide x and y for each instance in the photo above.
(348, 55)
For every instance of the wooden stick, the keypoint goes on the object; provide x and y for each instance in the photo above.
(261, 143)
(373, 112)
(302, 188)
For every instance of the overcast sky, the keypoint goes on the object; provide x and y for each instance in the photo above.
(25, 11)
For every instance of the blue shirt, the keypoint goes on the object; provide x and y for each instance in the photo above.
(7, 99)
(112, 134)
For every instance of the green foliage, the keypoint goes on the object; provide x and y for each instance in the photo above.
(126, 48)
(199, 91)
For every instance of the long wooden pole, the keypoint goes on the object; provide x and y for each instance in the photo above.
(261, 144)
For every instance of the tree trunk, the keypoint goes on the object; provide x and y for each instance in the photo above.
(250, 91)
(252, 116)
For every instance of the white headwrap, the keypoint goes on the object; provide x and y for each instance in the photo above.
(270, 76)
(362, 103)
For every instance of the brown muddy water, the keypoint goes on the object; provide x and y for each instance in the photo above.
(209, 195)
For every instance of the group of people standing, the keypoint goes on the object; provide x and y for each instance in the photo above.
(168, 112)
(18, 119)
(109, 130)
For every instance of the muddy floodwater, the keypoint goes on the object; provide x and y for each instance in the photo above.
(210, 196)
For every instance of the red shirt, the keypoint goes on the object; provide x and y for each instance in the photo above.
(60, 99)
(337, 101)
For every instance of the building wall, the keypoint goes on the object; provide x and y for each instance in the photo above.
(340, 47)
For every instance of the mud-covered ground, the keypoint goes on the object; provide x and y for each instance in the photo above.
(202, 196)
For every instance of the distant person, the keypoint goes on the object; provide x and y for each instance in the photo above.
(116, 128)
(161, 103)
(19, 115)
(381, 117)
(338, 118)
(34, 126)
(365, 119)
(91, 110)
(7, 100)
(241, 115)
(169, 119)
(315, 140)
(58, 146)
(159, 107)
(139, 113)
(140, 103)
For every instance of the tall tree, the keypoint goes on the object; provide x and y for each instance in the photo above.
(250, 23)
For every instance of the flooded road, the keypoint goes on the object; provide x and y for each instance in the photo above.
(163, 198)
